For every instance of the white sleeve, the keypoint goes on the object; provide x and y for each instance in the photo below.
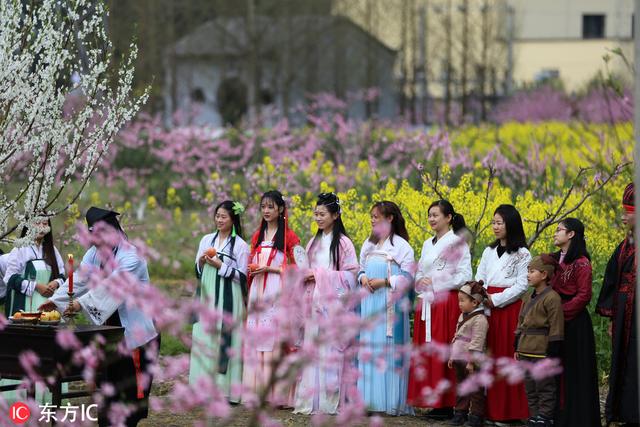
(407, 266)
(27, 287)
(100, 302)
(241, 254)
(363, 256)
(419, 272)
(519, 287)
(463, 271)
(481, 273)
(15, 265)
(202, 246)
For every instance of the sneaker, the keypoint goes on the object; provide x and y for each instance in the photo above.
(458, 419)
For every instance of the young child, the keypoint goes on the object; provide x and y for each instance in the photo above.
(470, 338)
(539, 335)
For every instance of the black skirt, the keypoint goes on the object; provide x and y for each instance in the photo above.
(580, 398)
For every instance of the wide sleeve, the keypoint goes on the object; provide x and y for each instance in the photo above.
(463, 272)
(583, 278)
(420, 273)
(481, 273)
(349, 266)
(240, 266)
(555, 317)
(100, 302)
(407, 264)
(292, 241)
(520, 284)
(3, 267)
(14, 277)
(15, 265)
(606, 299)
(364, 250)
(202, 246)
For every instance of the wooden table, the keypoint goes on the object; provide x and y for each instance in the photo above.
(54, 360)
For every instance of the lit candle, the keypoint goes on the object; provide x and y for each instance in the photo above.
(70, 273)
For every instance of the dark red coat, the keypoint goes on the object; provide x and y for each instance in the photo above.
(573, 283)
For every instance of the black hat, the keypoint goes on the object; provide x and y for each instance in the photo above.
(98, 214)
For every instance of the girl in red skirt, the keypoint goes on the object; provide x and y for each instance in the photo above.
(445, 265)
(503, 269)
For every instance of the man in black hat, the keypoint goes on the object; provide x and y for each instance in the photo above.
(100, 305)
(617, 301)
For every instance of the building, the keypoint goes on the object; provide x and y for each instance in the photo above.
(568, 39)
(280, 60)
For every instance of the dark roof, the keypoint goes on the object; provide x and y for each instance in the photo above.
(227, 36)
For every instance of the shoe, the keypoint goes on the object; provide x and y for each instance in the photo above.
(458, 419)
(533, 421)
(440, 414)
(545, 421)
(510, 423)
(474, 421)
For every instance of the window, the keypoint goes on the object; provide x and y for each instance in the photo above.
(593, 26)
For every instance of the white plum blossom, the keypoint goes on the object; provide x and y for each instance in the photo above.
(61, 103)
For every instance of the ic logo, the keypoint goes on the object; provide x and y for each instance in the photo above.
(19, 413)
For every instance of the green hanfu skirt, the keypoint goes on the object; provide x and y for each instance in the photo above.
(205, 346)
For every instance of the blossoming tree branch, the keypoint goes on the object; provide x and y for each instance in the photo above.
(61, 104)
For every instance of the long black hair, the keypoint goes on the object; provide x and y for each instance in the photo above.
(457, 221)
(515, 231)
(227, 205)
(398, 226)
(48, 250)
(276, 197)
(577, 245)
(331, 202)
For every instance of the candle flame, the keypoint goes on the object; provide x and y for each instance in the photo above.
(70, 256)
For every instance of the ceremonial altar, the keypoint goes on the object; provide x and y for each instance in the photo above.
(55, 361)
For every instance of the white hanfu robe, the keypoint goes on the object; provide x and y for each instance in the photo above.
(98, 303)
(447, 262)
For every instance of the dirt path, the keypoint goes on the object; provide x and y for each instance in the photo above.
(166, 419)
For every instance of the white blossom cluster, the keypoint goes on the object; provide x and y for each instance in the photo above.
(53, 52)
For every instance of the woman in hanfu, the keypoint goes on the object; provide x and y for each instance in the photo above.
(444, 266)
(386, 270)
(221, 266)
(332, 275)
(579, 394)
(271, 251)
(32, 274)
(503, 269)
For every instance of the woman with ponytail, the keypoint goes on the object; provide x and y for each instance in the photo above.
(271, 251)
(580, 399)
(332, 274)
(221, 267)
(444, 266)
(386, 273)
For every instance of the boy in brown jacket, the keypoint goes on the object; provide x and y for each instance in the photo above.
(539, 335)
(469, 340)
